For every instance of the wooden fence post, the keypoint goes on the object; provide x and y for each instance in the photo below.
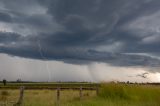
(20, 100)
(58, 93)
(97, 91)
(58, 96)
(80, 92)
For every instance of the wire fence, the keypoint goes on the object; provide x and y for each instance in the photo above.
(20, 100)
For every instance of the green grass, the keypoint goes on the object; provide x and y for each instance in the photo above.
(109, 95)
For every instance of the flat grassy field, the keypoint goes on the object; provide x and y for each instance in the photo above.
(47, 85)
(110, 94)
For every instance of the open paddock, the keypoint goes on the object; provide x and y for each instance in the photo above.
(109, 94)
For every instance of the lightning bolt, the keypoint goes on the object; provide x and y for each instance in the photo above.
(44, 58)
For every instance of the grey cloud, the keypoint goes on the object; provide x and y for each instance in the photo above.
(72, 31)
(22, 6)
(4, 17)
(28, 47)
(8, 37)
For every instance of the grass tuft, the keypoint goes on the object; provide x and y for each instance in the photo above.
(113, 91)
(4, 93)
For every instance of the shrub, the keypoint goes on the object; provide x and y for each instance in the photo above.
(112, 90)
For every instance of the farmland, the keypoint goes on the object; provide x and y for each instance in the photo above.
(110, 94)
(43, 85)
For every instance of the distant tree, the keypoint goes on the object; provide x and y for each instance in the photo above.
(4, 82)
(19, 80)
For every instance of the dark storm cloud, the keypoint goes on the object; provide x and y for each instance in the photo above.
(30, 46)
(4, 17)
(82, 31)
(8, 37)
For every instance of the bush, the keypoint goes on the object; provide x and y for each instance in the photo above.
(112, 90)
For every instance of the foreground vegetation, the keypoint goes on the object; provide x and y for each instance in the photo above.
(109, 95)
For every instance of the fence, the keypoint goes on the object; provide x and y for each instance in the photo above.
(81, 88)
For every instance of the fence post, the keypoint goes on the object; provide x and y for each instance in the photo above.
(20, 100)
(80, 92)
(58, 97)
(97, 91)
(58, 93)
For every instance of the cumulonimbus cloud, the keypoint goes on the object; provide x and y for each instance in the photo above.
(72, 31)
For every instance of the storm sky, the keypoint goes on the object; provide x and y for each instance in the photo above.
(80, 40)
